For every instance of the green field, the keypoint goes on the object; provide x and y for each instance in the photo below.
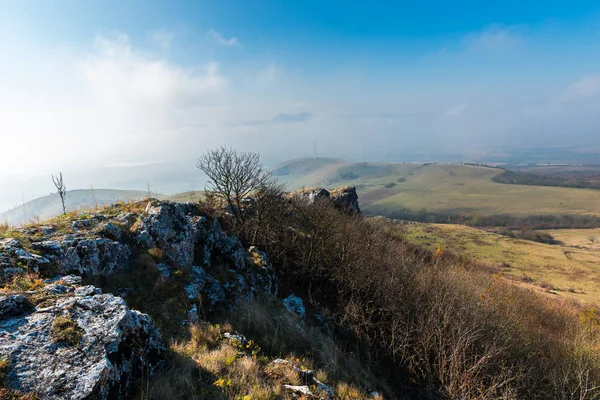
(571, 270)
(437, 188)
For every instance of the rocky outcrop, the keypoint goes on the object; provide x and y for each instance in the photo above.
(78, 344)
(215, 243)
(345, 199)
(203, 283)
(92, 255)
(315, 194)
(15, 259)
(164, 225)
(104, 346)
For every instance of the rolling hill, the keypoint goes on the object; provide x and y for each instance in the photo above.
(49, 206)
(388, 189)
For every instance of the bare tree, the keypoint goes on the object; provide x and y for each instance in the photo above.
(232, 176)
(592, 238)
(61, 189)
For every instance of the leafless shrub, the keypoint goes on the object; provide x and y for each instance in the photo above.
(61, 189)
(232, 176)
(456, 330)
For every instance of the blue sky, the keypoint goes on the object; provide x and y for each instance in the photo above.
(115, 93)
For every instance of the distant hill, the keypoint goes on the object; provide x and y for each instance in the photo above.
(424, 191)
(49, 206)
(185, 197)
(331, 172)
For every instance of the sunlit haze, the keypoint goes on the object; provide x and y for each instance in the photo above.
(117, 94)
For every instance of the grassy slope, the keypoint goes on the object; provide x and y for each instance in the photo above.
(307, 171)
(571, 270)
(184, 197)
(439, 188)
(47, 207)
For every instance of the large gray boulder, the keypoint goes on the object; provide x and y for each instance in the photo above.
(164, 225)
(80, 345)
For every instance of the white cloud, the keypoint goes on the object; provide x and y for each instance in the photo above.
(218, 36)
(117, 73)
(455, 111)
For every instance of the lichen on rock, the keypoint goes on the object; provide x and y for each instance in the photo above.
(77, 345)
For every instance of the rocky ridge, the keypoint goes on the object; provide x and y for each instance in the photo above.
(113, 344)
(345, 198)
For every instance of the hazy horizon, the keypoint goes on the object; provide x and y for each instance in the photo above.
(117, 95)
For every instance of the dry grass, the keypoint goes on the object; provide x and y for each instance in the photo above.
(550, 266)
(433, 324)
(3, 372)
(65, 330)
(208, 365)
(22, 283)
(4, 227)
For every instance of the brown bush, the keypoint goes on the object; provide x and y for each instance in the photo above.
(432, 323)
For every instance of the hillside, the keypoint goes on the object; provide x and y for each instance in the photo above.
(49, 206)
(403, 190)
(303, 299)
(568, 269)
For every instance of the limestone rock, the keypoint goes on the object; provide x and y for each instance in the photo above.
(315, 194)
(95, 256)
(112, 231)
(203, 284)
(165, 225)
(14, 258)
(12, 305)
(116, 346)
(165, 271)
(346, 200)
(307, 376)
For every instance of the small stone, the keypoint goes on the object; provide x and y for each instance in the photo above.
(295, 305)
(303, 390)
(237, 337)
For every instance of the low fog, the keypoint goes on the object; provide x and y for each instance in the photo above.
(119, 111)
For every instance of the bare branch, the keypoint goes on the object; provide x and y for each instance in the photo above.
(233, 176)
(61, 189)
